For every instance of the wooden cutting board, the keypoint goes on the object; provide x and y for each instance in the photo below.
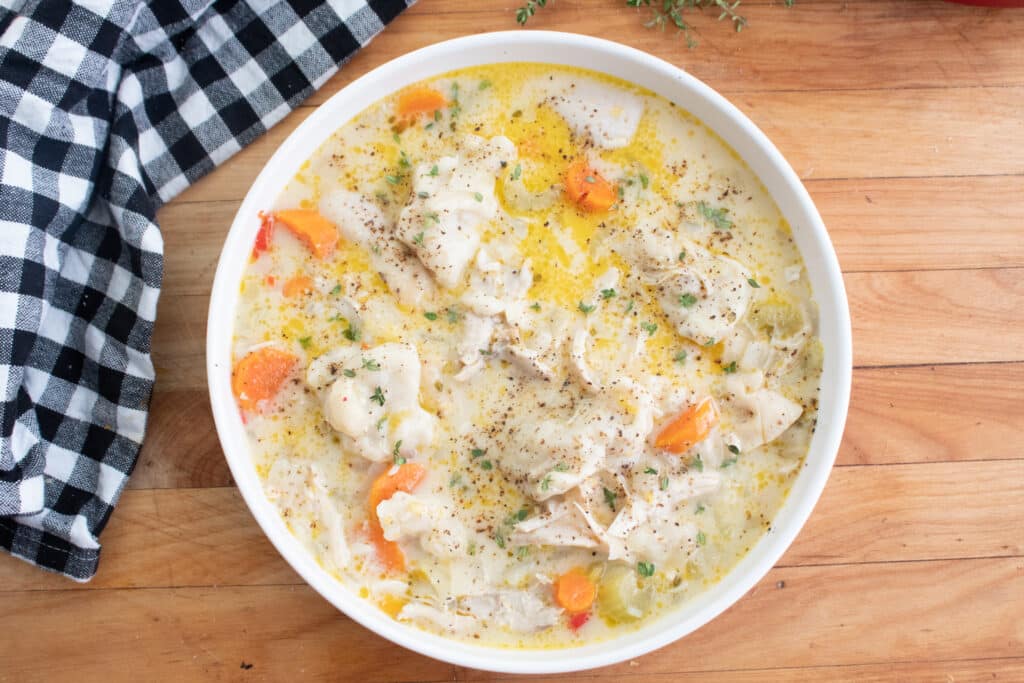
(906, 121)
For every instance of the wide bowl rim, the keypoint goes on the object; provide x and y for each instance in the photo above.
(564, 48)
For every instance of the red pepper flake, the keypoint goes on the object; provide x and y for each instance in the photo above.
(265, 234)
(576, 621)
(270, 280)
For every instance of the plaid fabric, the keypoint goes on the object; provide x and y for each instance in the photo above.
(108, 108)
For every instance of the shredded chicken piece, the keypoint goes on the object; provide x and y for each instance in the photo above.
(332, 537)
(562, 524)
(422, 613)
(603, 512)
(360, 220)
(518, 610)
(608, 431)
(495, 286)
(301, 488)
(599, 112)
(624, 431)
(578, 367)
(475, 342)
(550, 458)
(773, 356)
(529, 360)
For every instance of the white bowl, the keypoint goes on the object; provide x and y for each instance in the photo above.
(717, 113)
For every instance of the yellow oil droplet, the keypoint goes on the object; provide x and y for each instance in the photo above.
(545, 147)
(392, 605)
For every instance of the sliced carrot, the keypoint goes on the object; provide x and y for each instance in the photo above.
(388, 552)
(406, 478)
(259, 375)
(319, 234)
(689, 427)
(300, 284)
(416, 101)
(264, 236)
(574, 591)
(587, 188)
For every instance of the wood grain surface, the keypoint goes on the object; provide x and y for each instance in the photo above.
(906, 121)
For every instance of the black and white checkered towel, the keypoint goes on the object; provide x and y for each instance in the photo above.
(108, 108)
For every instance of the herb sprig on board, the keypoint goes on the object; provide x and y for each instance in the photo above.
(524, 13)
(665, 13)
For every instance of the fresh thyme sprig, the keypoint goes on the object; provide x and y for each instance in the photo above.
(671, 12)
(665, 13)
(524, 13)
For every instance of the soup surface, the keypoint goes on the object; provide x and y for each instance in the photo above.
(526, 356)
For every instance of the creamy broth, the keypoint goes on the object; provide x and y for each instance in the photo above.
(571, 416)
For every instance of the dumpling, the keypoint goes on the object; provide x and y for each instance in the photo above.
(451, 199)
(604, 114)
(372, 397)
